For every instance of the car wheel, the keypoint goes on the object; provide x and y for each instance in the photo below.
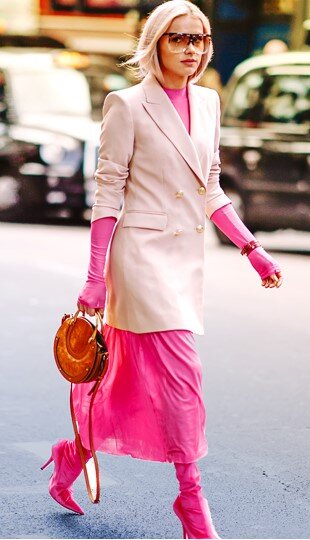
(238, 205)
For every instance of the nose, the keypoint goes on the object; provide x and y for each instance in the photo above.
(189, 47)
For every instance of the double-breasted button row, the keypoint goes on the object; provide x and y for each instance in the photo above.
(179, 194)
(199, 229)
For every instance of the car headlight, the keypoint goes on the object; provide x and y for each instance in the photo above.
(52, 154)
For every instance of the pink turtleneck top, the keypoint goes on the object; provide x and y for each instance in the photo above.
(179, 99)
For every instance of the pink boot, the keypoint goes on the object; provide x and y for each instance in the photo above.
(68, 466)
(190, 506)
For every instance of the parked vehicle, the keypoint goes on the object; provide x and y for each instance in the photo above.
(46, 104)
(265, 142)
(103, 73)
(14, 195)
(30, 40)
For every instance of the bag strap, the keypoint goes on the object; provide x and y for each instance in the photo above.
(94, 499)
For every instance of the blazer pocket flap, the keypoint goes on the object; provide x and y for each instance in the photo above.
(145, 220)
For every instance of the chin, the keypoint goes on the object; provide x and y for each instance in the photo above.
(189, 72)
(189, 69)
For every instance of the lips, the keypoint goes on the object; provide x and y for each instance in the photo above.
(190, 62)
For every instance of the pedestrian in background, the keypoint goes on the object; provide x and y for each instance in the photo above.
(159, 160)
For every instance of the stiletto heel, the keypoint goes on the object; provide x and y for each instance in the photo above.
(190, 506)
(196, 524)
(47, 463)
(68, 466)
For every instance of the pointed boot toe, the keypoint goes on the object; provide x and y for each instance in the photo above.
(65, 499)
(68, 466)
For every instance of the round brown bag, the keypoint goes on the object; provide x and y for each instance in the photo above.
(80, 351)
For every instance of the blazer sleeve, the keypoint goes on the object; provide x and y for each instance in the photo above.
(115, 152)
(216, 197)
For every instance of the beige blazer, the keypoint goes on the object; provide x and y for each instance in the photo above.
(167, 181)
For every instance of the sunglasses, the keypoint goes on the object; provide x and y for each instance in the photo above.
(178, 42)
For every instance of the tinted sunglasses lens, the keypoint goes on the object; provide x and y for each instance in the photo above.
(179, 42)
(199, 43)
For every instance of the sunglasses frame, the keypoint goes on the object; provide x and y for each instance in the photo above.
(190, 38)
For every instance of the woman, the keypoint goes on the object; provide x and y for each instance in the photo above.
(159, 160)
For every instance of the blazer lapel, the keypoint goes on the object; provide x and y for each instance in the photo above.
(163, 113)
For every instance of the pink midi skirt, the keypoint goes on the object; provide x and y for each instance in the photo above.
(150, 404)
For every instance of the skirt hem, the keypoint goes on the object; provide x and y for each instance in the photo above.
(167, 460)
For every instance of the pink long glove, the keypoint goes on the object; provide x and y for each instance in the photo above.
(93, 293)
(228, 221)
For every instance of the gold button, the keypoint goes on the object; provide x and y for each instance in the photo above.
(177, 232)
(179, 194)
(201, 190)
(199, 228)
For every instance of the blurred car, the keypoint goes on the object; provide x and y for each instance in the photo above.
(104, 74)
(30, 40)
(46, 104)
(14, 195)
(265, 142)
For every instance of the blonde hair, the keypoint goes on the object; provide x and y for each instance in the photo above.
(145, 57)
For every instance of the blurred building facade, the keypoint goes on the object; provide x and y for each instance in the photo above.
(19, 16)
(240, 28)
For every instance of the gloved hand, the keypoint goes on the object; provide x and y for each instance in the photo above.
(93, 295)
(263, 263)
(228, 221)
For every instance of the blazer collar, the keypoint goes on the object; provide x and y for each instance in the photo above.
(161, 110)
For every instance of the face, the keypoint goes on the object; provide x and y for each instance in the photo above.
(177, 67)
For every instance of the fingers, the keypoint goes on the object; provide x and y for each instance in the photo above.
(269, 282)
(88, 310)
(274, 280)
(80, 307)
(280, 279)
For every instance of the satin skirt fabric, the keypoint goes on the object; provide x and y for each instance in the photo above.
(150, 405)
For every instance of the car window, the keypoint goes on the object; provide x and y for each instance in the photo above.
(262, 96)
(15, 40)
(54, 91)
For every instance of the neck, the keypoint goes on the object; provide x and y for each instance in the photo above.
(174, 82)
